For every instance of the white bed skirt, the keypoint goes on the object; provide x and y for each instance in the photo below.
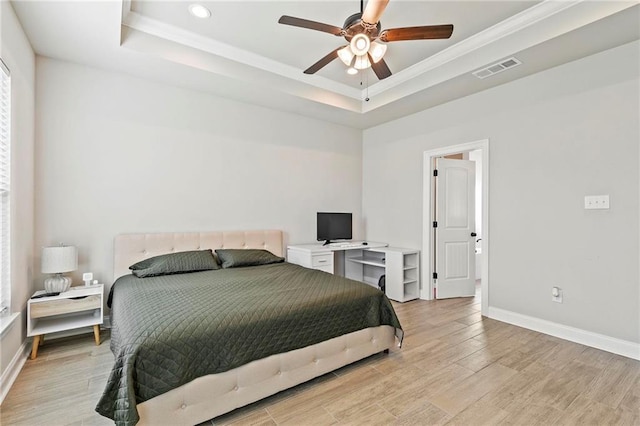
(211, 396)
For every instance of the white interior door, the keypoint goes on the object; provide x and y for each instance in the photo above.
(455, 262)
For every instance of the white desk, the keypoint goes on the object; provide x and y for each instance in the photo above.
(365, 263)
(329, 258)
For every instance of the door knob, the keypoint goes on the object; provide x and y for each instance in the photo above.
(473, 234)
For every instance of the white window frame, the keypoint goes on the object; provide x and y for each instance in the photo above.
(5, 189)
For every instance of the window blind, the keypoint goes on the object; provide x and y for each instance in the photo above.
(5, 188)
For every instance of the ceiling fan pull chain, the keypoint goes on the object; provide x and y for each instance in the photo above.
(366, 99)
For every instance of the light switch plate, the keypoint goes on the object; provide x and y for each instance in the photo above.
(596, 202)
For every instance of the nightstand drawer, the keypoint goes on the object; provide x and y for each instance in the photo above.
(64, 306)
(322, 260)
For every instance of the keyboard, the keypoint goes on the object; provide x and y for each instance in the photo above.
(345, 245)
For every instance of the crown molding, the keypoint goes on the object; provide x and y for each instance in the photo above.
(509, 26)
(535, 25)
(188, 38)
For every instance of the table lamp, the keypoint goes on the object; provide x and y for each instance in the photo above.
(57, 260)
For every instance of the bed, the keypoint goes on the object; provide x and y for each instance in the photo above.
(192, 346)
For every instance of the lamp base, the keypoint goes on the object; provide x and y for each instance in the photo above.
(57, 284)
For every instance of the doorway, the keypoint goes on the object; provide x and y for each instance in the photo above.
(479, 152)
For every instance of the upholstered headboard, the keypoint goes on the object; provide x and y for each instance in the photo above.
(132, 248)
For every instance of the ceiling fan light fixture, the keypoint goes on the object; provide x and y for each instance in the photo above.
(352, 71)
(199, 11)
(360, 44)
(377, 51)
(362, 62)
(361, 30)
(346, 55)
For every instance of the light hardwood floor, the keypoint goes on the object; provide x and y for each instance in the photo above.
(454, 368)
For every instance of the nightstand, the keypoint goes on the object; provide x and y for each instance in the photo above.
(78, 307)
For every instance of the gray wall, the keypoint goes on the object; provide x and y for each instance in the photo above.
(554, 137)
(16, 52)
(117, 154)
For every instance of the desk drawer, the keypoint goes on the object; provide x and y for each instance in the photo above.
(64, 306)
(328, 268)
(322, 260)
(298, 258)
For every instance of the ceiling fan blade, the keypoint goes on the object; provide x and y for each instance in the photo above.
(380, 68)
(374, 10)
(322, 62)
(312, 25)
(416, 33)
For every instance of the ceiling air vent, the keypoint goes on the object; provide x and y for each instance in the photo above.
(496, 68)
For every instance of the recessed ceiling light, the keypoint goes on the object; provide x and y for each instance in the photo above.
(199, 11)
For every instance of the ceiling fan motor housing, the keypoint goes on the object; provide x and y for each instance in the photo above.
(353, 25)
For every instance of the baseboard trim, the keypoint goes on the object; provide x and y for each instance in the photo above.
(13, 369)
(577, 335)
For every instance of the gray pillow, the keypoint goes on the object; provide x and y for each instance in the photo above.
(232, 258)
(175, 263)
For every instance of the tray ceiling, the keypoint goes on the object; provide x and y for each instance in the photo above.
(242, 53)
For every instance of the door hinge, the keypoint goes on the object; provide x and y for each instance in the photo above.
(435, 275)
(435, 224)
(435, 172)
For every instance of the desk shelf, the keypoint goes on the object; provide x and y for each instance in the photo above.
(365, 263)
(399, 266)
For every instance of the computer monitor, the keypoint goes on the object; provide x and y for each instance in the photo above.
(334, 226)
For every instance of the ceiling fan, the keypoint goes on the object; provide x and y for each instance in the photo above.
(363, 31)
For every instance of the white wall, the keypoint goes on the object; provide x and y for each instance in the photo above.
(554, 137)
(16, 52)
(118, 154)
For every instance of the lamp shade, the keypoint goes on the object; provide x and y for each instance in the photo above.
(346, 55)
(360, 44)
(362, 62)
(59, 259)
(377, 51)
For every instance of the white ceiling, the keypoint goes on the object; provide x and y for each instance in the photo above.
(242, 53)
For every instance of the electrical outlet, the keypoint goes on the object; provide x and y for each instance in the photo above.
(592, 202)
(556, 294)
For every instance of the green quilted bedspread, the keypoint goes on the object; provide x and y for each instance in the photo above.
(169, 330)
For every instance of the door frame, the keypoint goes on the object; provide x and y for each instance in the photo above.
(427, 209)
